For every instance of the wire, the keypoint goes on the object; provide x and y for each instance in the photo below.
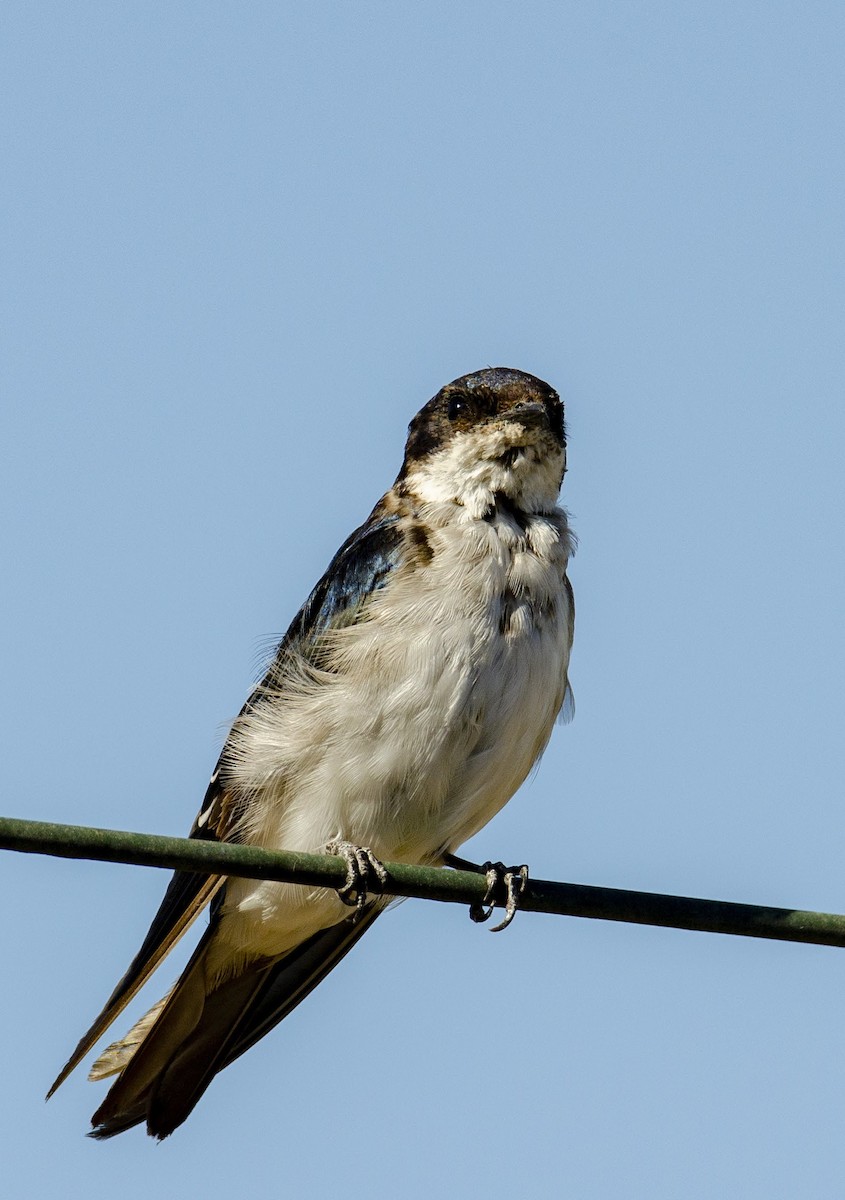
(427, 883)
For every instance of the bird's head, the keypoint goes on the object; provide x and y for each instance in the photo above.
(497, 432)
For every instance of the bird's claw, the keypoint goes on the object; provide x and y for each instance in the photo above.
(513, 881)
(364, 873)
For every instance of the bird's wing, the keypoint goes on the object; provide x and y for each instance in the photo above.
(296, 975)
(186, 896)
(567, 709)
(198, 1033)
(360, 567)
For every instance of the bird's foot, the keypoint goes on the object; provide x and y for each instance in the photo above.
(503, 882)
(364, 873)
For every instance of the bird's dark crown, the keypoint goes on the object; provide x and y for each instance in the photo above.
(477, 398)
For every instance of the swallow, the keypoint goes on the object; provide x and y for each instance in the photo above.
(407, 702)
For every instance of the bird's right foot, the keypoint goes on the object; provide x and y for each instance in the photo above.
(364, 873)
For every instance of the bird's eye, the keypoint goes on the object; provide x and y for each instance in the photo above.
(459, 406)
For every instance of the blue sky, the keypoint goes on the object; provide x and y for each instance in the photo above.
(241, 246)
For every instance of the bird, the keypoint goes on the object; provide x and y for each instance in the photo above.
(409, 699)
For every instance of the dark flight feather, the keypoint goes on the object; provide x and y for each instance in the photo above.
(360, 567)
(172, 1069)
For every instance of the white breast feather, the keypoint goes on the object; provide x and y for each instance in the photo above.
(438, 705)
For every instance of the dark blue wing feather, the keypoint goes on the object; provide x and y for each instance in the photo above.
(361, 566)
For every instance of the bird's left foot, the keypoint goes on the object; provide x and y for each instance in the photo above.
(364, 873)
(502, 881)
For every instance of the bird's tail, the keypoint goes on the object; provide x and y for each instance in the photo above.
(172, 1054)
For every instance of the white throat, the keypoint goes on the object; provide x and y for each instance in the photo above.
(499, 459)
